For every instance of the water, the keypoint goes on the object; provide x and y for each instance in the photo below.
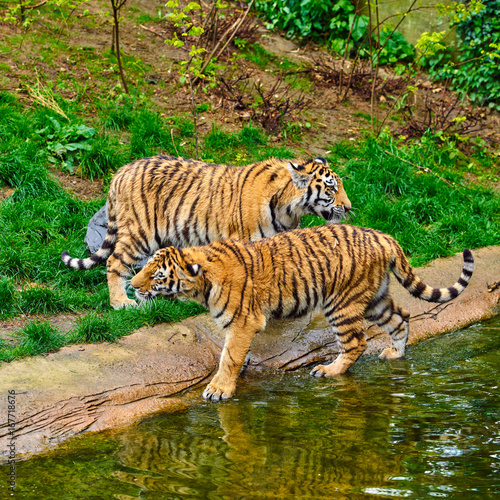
(422, 17)
(420, 428)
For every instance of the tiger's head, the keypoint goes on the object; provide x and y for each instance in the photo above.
(168, 274)
(324, 193)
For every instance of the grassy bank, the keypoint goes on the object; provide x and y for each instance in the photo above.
(419, 193)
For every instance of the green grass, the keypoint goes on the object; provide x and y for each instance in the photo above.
(258, 55)
(39, 337)
(36, 337)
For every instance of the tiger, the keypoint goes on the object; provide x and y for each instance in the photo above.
(340, 270)
(166, 201)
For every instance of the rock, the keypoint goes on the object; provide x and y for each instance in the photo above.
(103, 386)
(96, 232)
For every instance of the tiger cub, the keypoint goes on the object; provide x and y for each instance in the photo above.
(162, 201)
(339, 269)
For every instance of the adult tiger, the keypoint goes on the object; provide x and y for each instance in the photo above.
(338, 269)
(161, 201)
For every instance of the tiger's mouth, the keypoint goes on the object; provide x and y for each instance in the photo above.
(334, 215)
(145, 296)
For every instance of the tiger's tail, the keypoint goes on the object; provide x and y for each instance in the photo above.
(404, 274)
(107, 247)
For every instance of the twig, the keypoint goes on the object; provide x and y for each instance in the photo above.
(29, 7)
(234, 28)
(299, 147)
(428, 170)
(173, 142)
(46, 99)
(116, 5)
(432, 312)
(153, 31)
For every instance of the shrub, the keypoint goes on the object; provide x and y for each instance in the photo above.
(331, 22)
(477, 70)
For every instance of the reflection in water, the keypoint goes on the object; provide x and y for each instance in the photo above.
(422, 427)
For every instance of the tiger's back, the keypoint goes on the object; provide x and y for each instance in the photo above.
(341, 270)
(188, 203)
(163, 201)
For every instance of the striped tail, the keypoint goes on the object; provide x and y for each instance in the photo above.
(107, 247)
(419, 289)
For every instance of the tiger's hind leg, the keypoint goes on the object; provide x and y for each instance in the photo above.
(349, 331)
(386, 314)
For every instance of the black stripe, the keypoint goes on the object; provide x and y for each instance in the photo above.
(346, 321)
(177, 181)
(372, 317)
(207, 291)
(295, 294)
(97, 258)
(107, 244)
(155, 225)
(241, 188)
(396, 328)
(386, 320)
(229, 245)
(144, 199)
(419, 289)
(272, 206)
(181, 203)
(189, 220)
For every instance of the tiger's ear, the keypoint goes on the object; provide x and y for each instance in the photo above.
(320, 159)
(194, 269)
(300, 179)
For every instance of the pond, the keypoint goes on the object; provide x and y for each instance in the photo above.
(418, 17)
(419, 428)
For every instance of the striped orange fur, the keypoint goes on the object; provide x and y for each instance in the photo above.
(162, 201)
(341, 270)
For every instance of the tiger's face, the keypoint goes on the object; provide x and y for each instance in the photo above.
(324, 193)
(166, 273)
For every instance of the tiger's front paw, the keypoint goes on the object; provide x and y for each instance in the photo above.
(319, 371)
(331, 370)
(123, 304)
(215, 393)
(391, 353)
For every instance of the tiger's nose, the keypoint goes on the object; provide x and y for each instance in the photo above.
(135, 282)
(347, 207)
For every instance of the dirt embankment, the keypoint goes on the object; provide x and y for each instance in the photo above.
(164, 368)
